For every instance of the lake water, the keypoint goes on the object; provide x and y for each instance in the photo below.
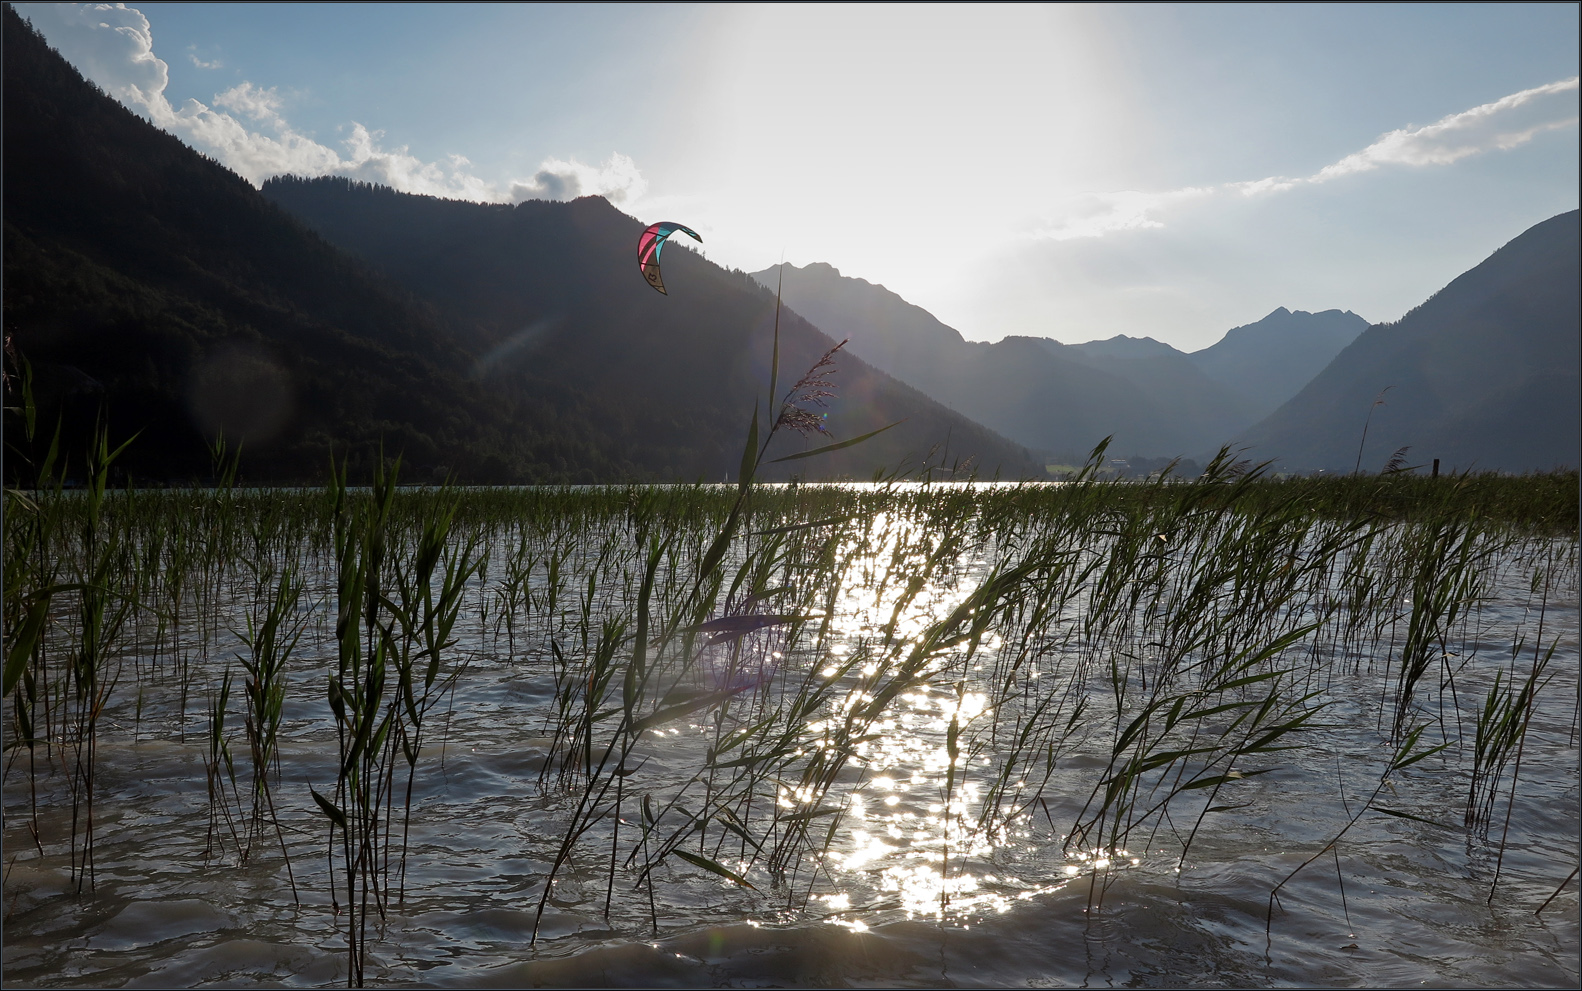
(909, 884)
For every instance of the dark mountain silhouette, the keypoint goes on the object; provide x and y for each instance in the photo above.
(1268, 362)
(549, 295)
(147, 280)
(1484, 374)
(1060, 398)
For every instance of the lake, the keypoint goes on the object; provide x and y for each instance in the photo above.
(1229, 734)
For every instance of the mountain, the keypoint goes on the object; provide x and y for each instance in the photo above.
(1121, 346)
(549, 295)
(1256, 367)
(1192, 411)
(1485, 374)
(149, 282)
(1268, 362)
(895, 336)
(1054, 397)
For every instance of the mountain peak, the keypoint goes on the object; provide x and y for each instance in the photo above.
(1122, 346)
(1272, 359)
(822, 270)
(1484, 372)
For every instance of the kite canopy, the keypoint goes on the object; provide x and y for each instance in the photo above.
(651, 243)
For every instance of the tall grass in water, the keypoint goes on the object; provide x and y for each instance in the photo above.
(652, 695)
(102, 610)
(726, 711)
(395, 613)
(363, 717)
(429, 589)
(30, 585)
(274, 628)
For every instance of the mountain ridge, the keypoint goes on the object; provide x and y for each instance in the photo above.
(1151, 398)
(1483, 374)
(693, 359)
(193, 306)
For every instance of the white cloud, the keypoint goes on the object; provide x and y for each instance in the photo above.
(216, 64)
(113, 45)
(398, 168)
(1258, 187)
(109, 42)
(618, 181)
(253, 156)
(254, 102)
(1506, 123)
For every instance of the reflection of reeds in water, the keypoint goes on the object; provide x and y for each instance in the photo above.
(736, 669)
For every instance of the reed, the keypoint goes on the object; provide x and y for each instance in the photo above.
(219, 770)
(103, 607)
(274, 628)
(357, 699)
(733, 667)
(426, 617)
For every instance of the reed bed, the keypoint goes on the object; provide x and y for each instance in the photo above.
(737, 680)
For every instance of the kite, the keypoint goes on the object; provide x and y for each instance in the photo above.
(649, 246)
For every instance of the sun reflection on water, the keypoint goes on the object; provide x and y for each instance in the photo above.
(911, 835)
(928, 829)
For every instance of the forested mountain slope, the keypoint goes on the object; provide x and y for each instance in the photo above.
(146, 280)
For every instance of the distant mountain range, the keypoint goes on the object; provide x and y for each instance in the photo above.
(1268, 362)
(552, 292)
(1153, 399)
(1484, 375)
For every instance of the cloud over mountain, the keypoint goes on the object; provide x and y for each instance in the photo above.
(617, 180)
(245, 128)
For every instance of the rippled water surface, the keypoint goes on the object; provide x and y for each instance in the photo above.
(954, 841)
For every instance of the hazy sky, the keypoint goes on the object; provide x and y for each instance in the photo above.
(1073, 171)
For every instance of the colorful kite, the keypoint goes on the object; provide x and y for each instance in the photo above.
(651, 243)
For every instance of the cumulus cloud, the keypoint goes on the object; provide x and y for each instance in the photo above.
(113, 45)
(616, 180)
(1506, 123)
(254, 102)
(109, 42)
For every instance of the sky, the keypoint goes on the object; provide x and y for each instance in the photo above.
(1065, 171)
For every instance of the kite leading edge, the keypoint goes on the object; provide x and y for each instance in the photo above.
(651, 243)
